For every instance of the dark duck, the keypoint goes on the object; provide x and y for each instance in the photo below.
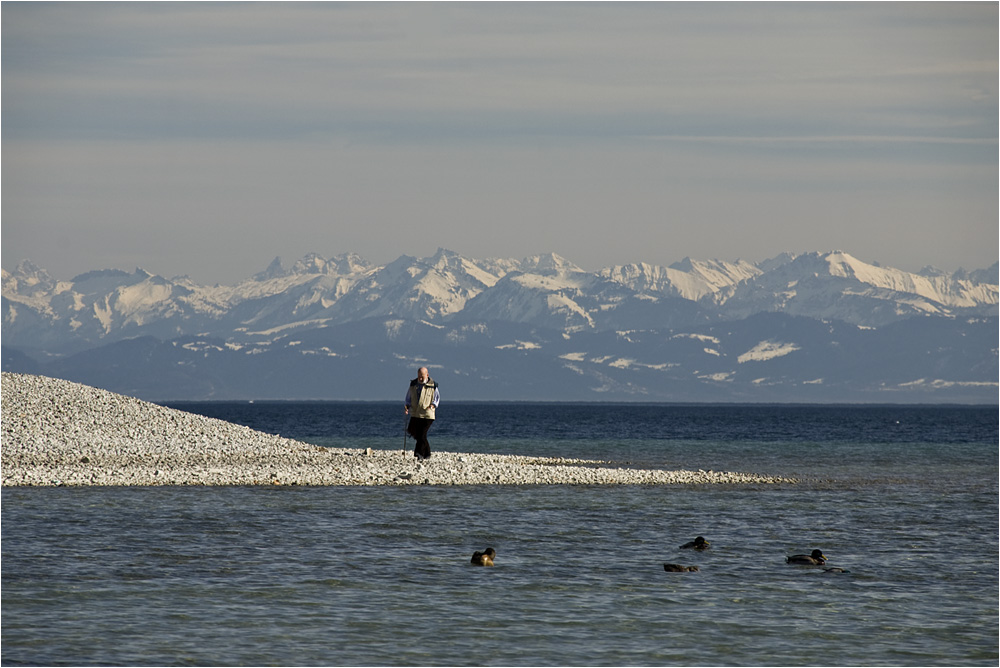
(677, 568)
(698, 543)
(816, 558)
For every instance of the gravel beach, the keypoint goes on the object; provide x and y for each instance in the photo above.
(60, 433)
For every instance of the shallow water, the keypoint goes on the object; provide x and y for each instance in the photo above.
(380, 576)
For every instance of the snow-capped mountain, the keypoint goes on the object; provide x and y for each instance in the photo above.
(430, 289)
(837, 286)
(42, 313)
(688, 279)
(547, 290)
(647, 328)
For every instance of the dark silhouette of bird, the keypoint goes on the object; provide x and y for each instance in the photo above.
(815, 559)
(698, 543)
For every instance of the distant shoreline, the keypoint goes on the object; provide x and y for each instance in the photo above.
(59, 433)
(531, 402)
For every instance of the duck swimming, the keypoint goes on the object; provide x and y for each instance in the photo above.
(677, 568)
(484, 558)
(815, 559)
(698, 543)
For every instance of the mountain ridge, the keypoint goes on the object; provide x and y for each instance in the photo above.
(690, 329)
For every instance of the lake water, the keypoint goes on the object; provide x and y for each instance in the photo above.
(903, 497)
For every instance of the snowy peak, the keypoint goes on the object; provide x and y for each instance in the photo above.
(27, 279)
(462, 271)
(548, 299)
(939, 288)
(93, 305)
(776, 262)
(549, 263)
(930, 271)
(274, 270)
(688, 279)
(347, 264)
(310, 264)
(843, 265)
(418, 288)
(988, 276)
(719, 274)
(546, 290)
(651, 279)
(837, 286)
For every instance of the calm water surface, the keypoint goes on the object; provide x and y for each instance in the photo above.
(905, 498)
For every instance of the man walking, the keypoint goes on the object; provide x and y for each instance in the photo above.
(422, 399)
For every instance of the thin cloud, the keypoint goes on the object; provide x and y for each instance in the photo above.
(704, 129)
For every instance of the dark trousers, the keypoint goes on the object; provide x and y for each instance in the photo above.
(418, 429)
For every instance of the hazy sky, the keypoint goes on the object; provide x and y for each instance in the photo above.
(205, 139)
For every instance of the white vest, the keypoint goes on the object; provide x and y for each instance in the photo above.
(421, 399)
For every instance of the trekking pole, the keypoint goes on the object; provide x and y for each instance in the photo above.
(406, 423)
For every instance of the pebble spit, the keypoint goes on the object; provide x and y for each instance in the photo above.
(57, 433)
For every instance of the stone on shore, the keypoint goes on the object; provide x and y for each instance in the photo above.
(56, 432)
